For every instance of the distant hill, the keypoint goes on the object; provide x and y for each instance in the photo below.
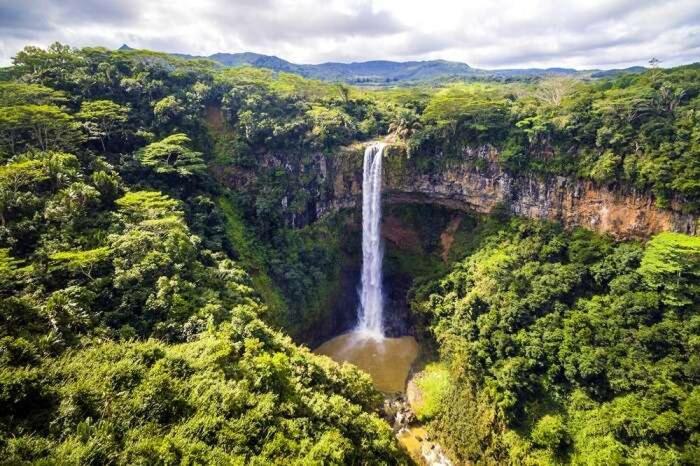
(607, 73)
(383, 72)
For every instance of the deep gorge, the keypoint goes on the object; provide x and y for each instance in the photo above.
(471, 188)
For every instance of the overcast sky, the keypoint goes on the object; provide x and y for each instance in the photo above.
(485, 34)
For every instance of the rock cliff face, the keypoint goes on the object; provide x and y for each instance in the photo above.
(477, 183)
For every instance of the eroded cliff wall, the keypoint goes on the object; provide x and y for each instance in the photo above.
(477, 183)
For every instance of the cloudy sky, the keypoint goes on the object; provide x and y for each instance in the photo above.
(485, 34)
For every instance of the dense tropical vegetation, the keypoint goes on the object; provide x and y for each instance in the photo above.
(160, 234)
(566, 347)
(129, 331)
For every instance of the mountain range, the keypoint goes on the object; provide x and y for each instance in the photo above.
(384, 72)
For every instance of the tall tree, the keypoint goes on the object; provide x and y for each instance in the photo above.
(172, 156)
(44, 127)
(102, 118)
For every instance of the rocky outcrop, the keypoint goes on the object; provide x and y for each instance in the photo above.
(477, 183)
(412, 436)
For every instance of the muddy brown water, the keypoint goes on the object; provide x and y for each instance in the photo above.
(386, 360)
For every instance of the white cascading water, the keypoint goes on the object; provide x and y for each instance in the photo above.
(371, 300)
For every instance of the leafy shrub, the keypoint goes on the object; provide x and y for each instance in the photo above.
(434, 383)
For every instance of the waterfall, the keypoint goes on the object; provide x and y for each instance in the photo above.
(371, 300)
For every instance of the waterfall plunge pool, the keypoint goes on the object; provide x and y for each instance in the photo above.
(387, 360)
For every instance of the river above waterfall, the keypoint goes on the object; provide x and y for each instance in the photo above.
(386, 360)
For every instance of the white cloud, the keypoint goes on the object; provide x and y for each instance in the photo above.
(494, 34)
